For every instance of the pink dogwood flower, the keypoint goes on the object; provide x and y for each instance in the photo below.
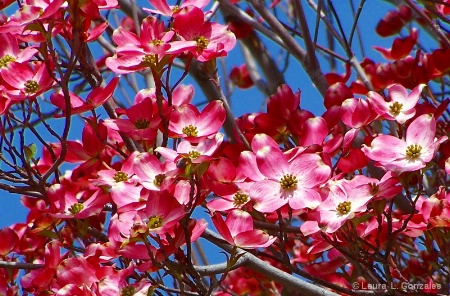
(163, 212)
(409, 154)
(25, 82)
(341, 206)
(187, 122)
(142, 121)
(137, 53)
(345, 199)
(153, 174)
(401, 106)
(289, 180)
(66, 203)
(205, 40)
(239, 199)
(201, 152)
(124, 188)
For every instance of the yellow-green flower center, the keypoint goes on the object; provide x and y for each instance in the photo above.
(149, 60)
(413, 151)
(190, 131)
(240, 198)
(120, 177)
(176, 9)
(194, 154)
(344, 207)
(141, 123)
(202, 42)
(156, 42)
(159, 179)
(288, 181)
(155, 222)
(31, 87)
(128, 291)
(76, 208)
(5, 60)
(395, 108)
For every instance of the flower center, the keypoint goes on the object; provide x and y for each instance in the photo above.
(76, 208)
(373, 188)
(128, 291)
(5, 60)
(194, 154)
(159, 179)
(155, 222)
(288, 181)
(141, 123)
(149, 60)
(344, 207)
(176, 9)
(120, 177)
(240, 198)
(31, 86)
(190, 131)
(202, 42)
(156, 42)
(137, 228)
(413, 151)
(395, 108)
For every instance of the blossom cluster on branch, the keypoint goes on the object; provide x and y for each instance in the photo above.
(354, 201)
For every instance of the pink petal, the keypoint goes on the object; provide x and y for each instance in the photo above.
(261, 141)
(220, 204)
(16, 74)
(8, 240)
(309, 227)
(188, 22)
(378, 102)
(254, 239)
(398, 93)
(315, 130)
(146, 166)
(267, 195)
(239, 221)
(222, 228)
(272, 163)
(336, 223)
(183, 94)
(212, 118)
(310, 170)
(161, 6)
(404, 164)
(124, 193)
(181, 117)
(122, 37)
(385, 148)
(10, 43)
(421, 131)
(248, 167)
(124, 64)
(119, 124)
(305, 198)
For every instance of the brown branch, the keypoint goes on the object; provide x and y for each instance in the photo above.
(292, 47)
(19, 265)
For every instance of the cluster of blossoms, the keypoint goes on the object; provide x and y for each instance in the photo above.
(320, 192)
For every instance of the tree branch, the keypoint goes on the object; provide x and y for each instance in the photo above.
(287, 280)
